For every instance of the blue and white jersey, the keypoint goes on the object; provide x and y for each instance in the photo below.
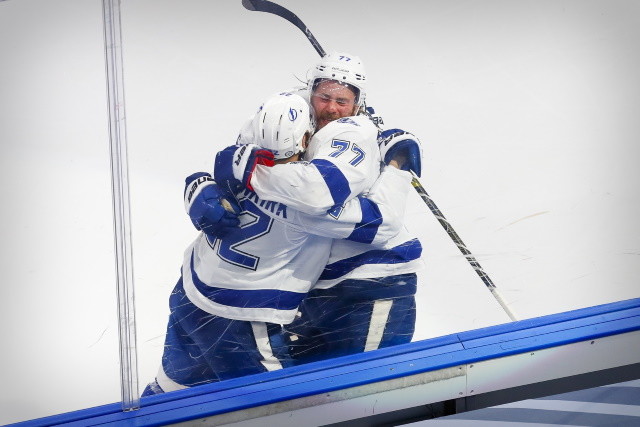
(353, 260)
(262, 270)
(343, 161)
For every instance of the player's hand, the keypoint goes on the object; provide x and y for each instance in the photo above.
(209, 208)
(402, 148)
(237, 163)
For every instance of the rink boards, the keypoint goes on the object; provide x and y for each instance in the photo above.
(436, 377)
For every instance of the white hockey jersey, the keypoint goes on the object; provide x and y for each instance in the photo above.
(263, 270)
(343, 161)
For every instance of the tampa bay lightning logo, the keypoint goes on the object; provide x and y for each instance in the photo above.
(336, 211)
(293, 114)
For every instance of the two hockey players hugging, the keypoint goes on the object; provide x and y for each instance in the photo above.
(302, 255)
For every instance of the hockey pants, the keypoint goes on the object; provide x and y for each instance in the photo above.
(354, 316)
(202, 348)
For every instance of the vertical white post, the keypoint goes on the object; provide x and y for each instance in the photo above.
(121, 209)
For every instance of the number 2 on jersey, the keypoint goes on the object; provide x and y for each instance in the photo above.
(257, 225)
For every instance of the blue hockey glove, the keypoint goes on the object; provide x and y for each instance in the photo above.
(398, 144)
(237, 163)
(211, 210)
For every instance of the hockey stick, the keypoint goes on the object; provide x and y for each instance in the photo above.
(270, 7)
(276, 9)
(460, 244)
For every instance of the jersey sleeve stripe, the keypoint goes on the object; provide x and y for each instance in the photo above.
(366, 230)
(405, 252)
(246, 299)
(334, 178)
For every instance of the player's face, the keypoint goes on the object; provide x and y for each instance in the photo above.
(332, 101)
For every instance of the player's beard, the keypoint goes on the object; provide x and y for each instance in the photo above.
(326, 118)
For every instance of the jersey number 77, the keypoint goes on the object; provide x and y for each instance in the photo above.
(345, 146)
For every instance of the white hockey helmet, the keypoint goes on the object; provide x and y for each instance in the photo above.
(343, 68)
(281, 123)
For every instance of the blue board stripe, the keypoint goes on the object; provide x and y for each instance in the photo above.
(551, 319)
(567, 326)
(360, 369)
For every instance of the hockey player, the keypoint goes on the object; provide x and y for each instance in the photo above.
(365, 297)
(238, 286)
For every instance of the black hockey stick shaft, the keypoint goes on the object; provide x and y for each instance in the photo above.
(276, 9)
(270, 7)
(460, 244)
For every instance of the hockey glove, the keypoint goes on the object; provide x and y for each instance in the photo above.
(398, 144)
(237, 163)
(210, 211)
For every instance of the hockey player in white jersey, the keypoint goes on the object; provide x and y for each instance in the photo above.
(365, 297)
(238, 286)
